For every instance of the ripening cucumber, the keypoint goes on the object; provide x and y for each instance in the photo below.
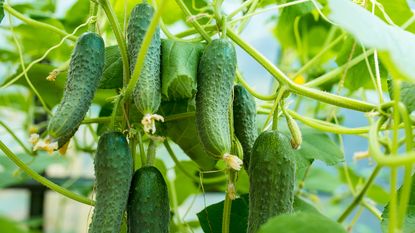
(216, 74)
(113, 171)
(85, 71)
(244, 121)
(148, 204)
(179, 68)
(271, 177)
(147, 93)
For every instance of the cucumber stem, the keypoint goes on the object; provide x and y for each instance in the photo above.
(151, 153)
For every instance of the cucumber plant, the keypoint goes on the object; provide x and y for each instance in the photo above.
(191, 64)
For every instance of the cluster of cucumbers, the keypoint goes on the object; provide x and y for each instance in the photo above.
(201, 75)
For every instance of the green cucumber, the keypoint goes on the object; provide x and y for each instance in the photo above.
(112, 74)
(179, 68)
(244, 121)
(85, 71)
(216, 74)
(271, 177)
(148, 204)
(147, 93)
(113, 171)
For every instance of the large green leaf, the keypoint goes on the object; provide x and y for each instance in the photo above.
(317, 145)
(211, 217)
(358, 76)
(396, 46)
(398, 10)
(16, 97)
(409, 223)
(301, 222)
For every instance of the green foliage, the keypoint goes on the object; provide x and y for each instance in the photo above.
(179, 69)
(112, 74)
(301, 222)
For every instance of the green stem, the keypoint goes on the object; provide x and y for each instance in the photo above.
(245, 21)
(334, 74)
(185, 172)
(298, 89)
(93, 11)
(142, 151)
(98, 120)
(143, 50)
(179, 116)
(42, 179)
(151, 153)
(226, 218)
(192, 31)
(196, 24)
(112, 18)
(29, 152)
(251, 90)
(358, 198)
(35, 23)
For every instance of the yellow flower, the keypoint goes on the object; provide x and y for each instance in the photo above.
(233, 161)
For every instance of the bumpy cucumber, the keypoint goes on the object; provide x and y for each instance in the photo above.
(148, 205)
(85, 71)
(147, 93)
(272, 177)
(179, 68)
(113, 171)
(244, 121)
(112, 74)
(216, 74)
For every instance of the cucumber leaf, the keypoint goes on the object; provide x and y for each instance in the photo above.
(211, 217)
(396, 46)
(112, 76)
(301, 222)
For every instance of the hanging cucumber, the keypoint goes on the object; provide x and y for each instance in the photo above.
(244, 121)
(271, 177)
(147, 92)
(179, 68)
(113, 171)
(216, 74)
(85, 71)
(148, 204)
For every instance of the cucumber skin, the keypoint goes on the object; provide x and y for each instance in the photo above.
(272, 178)
(244, 121)
(216, 74)
(147, 92)
(85, 71)
(148, 205)
(113, 171)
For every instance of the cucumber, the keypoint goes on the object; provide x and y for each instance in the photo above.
(85, 71)
(112, 74)
(271, 177)
(147, 93)
(244, 121)
(148, 204)
(179, 68)
(113, 171)
(216, 74)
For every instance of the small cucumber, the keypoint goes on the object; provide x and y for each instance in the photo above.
(216, 74)
(85, 71)
(179, 68)
(113, 171)
(148, 204)
(147, 93)
(244, 121)
(271, 177)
